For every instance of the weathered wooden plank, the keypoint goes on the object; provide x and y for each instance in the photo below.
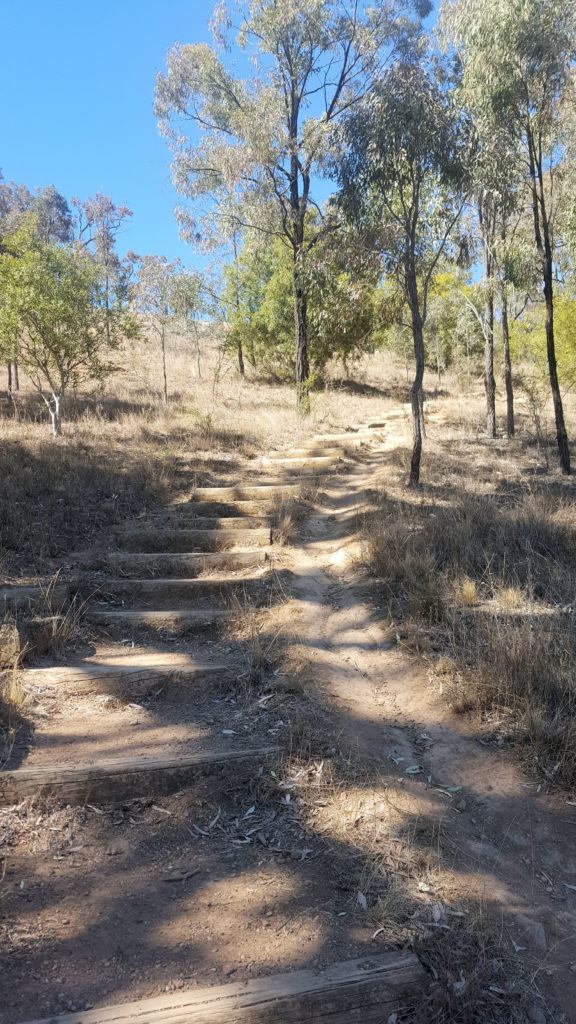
(240, 492)
(124, 778)
(49, 597)
(356, 439)
(92, 677)
(151, 539)
(169, 620)
(174, 513)
(362, 991)
(304, 466)
(306, 453)
(219, 508)
(182, 593)
(185, 563)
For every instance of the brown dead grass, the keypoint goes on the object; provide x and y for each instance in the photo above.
(478, 572)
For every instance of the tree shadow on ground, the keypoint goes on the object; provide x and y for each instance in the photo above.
(184, 890)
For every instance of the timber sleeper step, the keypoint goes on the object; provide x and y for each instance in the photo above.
(133, 679)
(151, 539)
(175, 621)
(221, 509)
(24, 596)
(365, 991)
(239, 492)
(307, 465)
(185, 563)
(152, 519)
(160, 592)
(127, 778)
(306, 453)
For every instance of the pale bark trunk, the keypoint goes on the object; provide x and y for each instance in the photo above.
(197, 339)
(163, 343)
(507, 367)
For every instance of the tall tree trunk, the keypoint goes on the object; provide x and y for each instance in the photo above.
(163, 342)
(544, 247)
(9, 367)
(489, 382)
(416, 397)
(301, 331)
(561, 435)
(486, 215)
(240, 355)
(507, 365)
(16, 378)
(239, 351)
(421, 413)
(197, 340)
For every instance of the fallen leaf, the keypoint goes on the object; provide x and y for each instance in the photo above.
(362, 901)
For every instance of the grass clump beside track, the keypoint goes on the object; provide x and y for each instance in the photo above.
(478, 571)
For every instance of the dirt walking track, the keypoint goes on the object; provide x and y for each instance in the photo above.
(178, 826)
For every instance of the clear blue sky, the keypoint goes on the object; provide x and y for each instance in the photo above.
(77, 88)
(76, 109)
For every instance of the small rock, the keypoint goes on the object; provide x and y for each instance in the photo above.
(533, 932)
(536, 1015)
(461, 805)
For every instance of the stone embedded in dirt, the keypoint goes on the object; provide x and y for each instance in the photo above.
(536, 1015)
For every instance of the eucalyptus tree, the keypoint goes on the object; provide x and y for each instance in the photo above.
(516, 58)
(247, 148)
(98, 221)
(405, 154)
(155, 298)
(191, 300)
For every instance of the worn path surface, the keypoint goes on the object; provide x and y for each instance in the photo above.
(126, 891)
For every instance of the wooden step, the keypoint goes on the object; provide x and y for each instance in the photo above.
(125, 778)
(120, 680)
(17, 597)
(176, 622)
(172, 515)
(308, 464)
(182, 592)
(246, 492)
(305, 453)
(357, 438)
(366, 991)
(193, 509)
(185, 564)
(150, 539)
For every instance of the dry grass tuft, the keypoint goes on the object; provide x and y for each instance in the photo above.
(482, 582)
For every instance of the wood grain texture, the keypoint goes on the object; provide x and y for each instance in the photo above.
(362, 991)
(124, 778)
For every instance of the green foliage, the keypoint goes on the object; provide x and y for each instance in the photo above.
(528, 340)
(343, 307)
(54, 317)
